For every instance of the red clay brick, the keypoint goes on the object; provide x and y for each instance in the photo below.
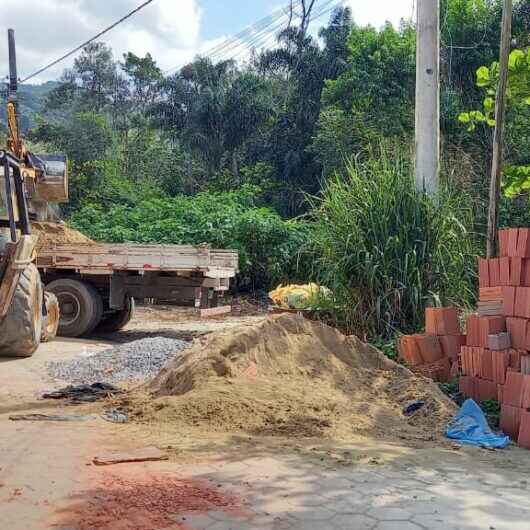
(517, 329)
(472, 330)
(410, 350)
(486, 390)
(526, 272)
(523, 439)
(500, 362)
(525, 392)
(504, 271)
(525, 364)
(489, 294)
(438, 371)
(486, 365)
(464, 360)
(442, 321)
(523, 243)
(513, 389)
(494, 272)
(483, 273)
(430, 348)
(477, 361)
(451, 345)
(515, 360)
(516, 272)
(513, 234)
(430, 321)
(490, 326)
(510, 421)
(504, 236)
(508, 301)
(522, 302)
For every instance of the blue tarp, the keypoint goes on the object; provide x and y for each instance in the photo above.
(471, 427)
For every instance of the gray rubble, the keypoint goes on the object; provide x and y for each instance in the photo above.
(134, 361)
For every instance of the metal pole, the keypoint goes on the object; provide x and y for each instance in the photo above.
(13, 79)
(498, 135)
(428, 96)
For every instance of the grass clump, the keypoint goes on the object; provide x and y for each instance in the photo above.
(387, 251)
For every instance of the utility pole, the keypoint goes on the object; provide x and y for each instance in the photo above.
(498, 135)
(428, 96)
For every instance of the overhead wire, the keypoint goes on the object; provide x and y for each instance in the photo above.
(232, 42)
(86, 43)
(328, 6)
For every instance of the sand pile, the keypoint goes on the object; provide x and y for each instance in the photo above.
(58, 233)
(290, 376)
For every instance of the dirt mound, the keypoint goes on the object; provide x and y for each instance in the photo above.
(291, 376)
(58, 234)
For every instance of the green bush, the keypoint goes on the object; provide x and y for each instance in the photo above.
(387, 251)
(267, 244)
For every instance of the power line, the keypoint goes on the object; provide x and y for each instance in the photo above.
(328, 6)
(235, 41)
(81, 46)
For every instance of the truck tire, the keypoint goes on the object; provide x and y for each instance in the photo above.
(50, 322)
(20, 330)
(119, 319)
(80, 307)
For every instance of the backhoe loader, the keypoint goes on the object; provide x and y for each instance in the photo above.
(28, 183)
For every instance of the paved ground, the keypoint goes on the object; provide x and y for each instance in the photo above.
(45, 473)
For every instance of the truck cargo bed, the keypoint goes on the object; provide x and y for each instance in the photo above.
(107, 258)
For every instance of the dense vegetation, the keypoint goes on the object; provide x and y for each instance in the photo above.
(300, 158)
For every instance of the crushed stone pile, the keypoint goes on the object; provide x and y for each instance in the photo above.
(134, 361)
(58, 234)
(289, 376)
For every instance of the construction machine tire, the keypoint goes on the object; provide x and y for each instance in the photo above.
(50, 322)
(20, 330)
(80, 307)
(119, 319)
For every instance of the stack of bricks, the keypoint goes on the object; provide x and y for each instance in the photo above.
(434, 354)
(495, 361)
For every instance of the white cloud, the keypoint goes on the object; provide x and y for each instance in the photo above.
(377, 12)
(46, 29)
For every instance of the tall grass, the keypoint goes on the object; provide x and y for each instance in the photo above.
(387, 251)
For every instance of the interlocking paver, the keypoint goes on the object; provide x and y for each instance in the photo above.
(388, 513)
(353, 522)
(397, 525)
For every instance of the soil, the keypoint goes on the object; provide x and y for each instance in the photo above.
(58, 234)
(288, 376)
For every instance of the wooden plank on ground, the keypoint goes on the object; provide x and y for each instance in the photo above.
(215, 311)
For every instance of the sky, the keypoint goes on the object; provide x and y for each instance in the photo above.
(173, 31)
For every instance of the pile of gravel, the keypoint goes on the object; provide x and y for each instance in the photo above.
(135, 361)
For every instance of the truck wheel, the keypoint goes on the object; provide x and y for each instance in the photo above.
(50, 323)
(80, 307)
(20, 330)
(119, 319)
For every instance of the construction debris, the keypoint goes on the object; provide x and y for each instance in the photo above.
(134, 361)
(84, 393)
(146, 454)
(47, 417)
(299, 296)
(289, 376)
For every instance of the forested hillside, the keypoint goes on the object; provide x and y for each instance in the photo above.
(301, 158)
(31, 100)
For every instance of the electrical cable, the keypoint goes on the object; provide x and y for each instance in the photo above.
(81, 46)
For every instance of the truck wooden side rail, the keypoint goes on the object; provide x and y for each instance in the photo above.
(96, 284)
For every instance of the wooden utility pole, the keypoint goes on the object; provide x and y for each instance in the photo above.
(428, 96)
(498, 135)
